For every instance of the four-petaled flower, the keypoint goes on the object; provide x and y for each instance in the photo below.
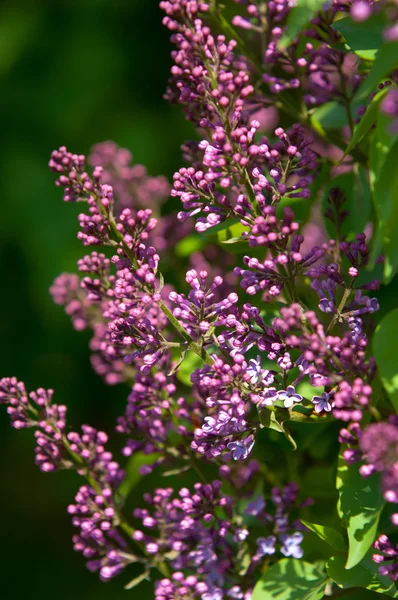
(209, 424)
(241, 450)
(268, 397)
(214, 594)
(255, 506)
(289, 396)
(241, 535)
(257, 374)
(266, 545)
(254, 369)
(291, 544)
(322, 403)
(236, 593)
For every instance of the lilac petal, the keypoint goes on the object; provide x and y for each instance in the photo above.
(297, 397)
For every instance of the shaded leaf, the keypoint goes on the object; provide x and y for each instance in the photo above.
(275, 420)
(382, 141)
(356, 188)
(362, 594)
(386, 61)
(300, 206)
(361, 503)
(364, 575)
(330, 115)
(299, 16)
(385, 197)
(331, 536)
(365, 37)
(269, 420)
(367, 120)
(385, 349)
(290, 579)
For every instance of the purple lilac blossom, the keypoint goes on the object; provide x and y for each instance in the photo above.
(234, 172)
(289, 396)
(322, 402)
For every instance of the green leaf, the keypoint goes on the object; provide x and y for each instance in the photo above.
(275, 420)
(233, 240)
(290, 579)
(227, 232)
(188, 245)
(299, 16)
(356, 188)
(382, 142)
(385, 350)
(223, 226)
(231, 233)
(331, 536)
(385, 197)
(361, 503)
(386, 61)
(190, 363)
(330, 115)
(367, 121)
(363, 38)
(133, 476)
(269, 420)
(364, 575)
(361, 594)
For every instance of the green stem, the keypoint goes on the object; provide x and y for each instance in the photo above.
(188, 450)
(292, 282)
(192, 345)
(340, 308)
(347, 107)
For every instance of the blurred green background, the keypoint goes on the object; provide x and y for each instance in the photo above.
(77, 72)
(72, 72)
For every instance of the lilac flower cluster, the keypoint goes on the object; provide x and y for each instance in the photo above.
(36, 410)
(231, 176)
(133, 188)
(98, 539)
(322, 72)
(362, 10)
(197, 528)
(389, 106)
(130, 322)
(94, 513)
(388, 559)
(198, 312)
(225, 390)
(379, 446)
(299, 353)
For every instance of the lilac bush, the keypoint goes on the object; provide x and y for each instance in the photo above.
(285, 232)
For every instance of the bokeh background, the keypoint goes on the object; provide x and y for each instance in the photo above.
(72, 72)
(77, 72)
